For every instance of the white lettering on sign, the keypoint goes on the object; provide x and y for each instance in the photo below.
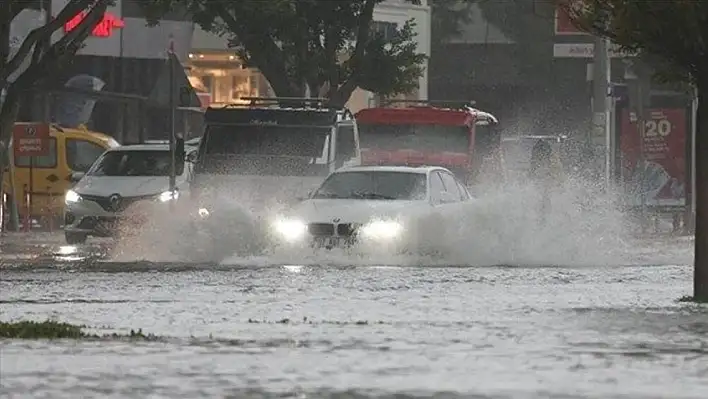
(654, 128)
(260, 122)
(29, 145)
(585, 50)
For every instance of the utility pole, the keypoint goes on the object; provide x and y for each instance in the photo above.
(694, 127)
(172, 106)
(600, 137)
(639, 82)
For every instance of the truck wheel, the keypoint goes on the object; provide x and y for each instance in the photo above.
(75, 238)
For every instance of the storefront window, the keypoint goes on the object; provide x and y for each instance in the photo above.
(221, 76)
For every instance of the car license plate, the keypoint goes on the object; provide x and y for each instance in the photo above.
(327, 242)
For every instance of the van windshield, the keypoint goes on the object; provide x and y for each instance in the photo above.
(133, 163)
(265, 150)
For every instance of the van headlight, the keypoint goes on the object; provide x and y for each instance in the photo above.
(169, 196)
(381, 230)
(71, 197)
(290, 229)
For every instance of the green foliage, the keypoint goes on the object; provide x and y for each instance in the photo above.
(673, 35)
(51, 329)
(40, 330)
(327, 45)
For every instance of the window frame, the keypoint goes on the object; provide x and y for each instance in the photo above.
(455, 190)
(435, 199)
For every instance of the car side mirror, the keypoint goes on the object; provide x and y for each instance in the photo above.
(76, 176)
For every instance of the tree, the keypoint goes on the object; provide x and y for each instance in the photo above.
(37, 58)
(675, 34)
(328, 46)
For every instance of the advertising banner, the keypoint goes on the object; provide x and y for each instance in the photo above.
(654, 169)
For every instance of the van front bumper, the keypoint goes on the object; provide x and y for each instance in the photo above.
(88, 217)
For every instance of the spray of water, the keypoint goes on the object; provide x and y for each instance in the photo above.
(504, 226)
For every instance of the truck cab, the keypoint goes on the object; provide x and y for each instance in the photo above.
(414, 133)
(267, 151)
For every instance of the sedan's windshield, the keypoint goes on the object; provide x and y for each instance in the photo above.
(375, 185)
(133, 163)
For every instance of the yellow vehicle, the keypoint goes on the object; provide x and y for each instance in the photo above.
(70, 150)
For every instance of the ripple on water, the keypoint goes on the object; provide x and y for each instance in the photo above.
(363, 332)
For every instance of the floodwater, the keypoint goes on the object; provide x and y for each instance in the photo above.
(265, 330)
(604, 322)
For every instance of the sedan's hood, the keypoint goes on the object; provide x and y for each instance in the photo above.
(353, 210)
(126, 186)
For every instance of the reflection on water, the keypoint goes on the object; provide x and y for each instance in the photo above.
(314, 331)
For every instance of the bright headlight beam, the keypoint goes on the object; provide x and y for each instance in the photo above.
(382, 229)
(291, 230)
(169, 196)
(71, 197)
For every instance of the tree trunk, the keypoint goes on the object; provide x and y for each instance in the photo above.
(700, 271)
(8, 115)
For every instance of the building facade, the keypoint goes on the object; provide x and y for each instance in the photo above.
(122, 51)
(219, 77)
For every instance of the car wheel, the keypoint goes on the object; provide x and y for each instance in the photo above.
(75, 238)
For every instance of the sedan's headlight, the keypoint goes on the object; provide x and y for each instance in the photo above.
(381, 230)
(72, 197)
(290, 229)
(169, 196)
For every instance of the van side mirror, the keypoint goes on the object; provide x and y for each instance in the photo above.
(76, 176)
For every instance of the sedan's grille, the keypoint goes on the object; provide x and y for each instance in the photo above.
(345, 229)
(118, 206)
(321, 229)
(329, 229)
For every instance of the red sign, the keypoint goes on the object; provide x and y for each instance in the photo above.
(30, 139)
(563, 24)
(103, 29)
(661, 180)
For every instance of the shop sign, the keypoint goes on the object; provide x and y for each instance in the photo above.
(105, 27)
(660, 180)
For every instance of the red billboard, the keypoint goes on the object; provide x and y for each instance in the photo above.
(660, 180)
(30, 139)
(563, 24)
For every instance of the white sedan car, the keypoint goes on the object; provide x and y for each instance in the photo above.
(395, 208)
(120, 180)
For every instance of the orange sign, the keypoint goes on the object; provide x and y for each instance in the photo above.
(30, 139)
(105, 27)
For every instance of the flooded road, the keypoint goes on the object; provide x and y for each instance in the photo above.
(245, 330)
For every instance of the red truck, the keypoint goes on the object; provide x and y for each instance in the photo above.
(424, 133)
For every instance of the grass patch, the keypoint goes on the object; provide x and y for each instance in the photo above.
(692, 299)
(52, 329)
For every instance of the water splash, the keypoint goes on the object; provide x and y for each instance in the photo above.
(503, 227)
